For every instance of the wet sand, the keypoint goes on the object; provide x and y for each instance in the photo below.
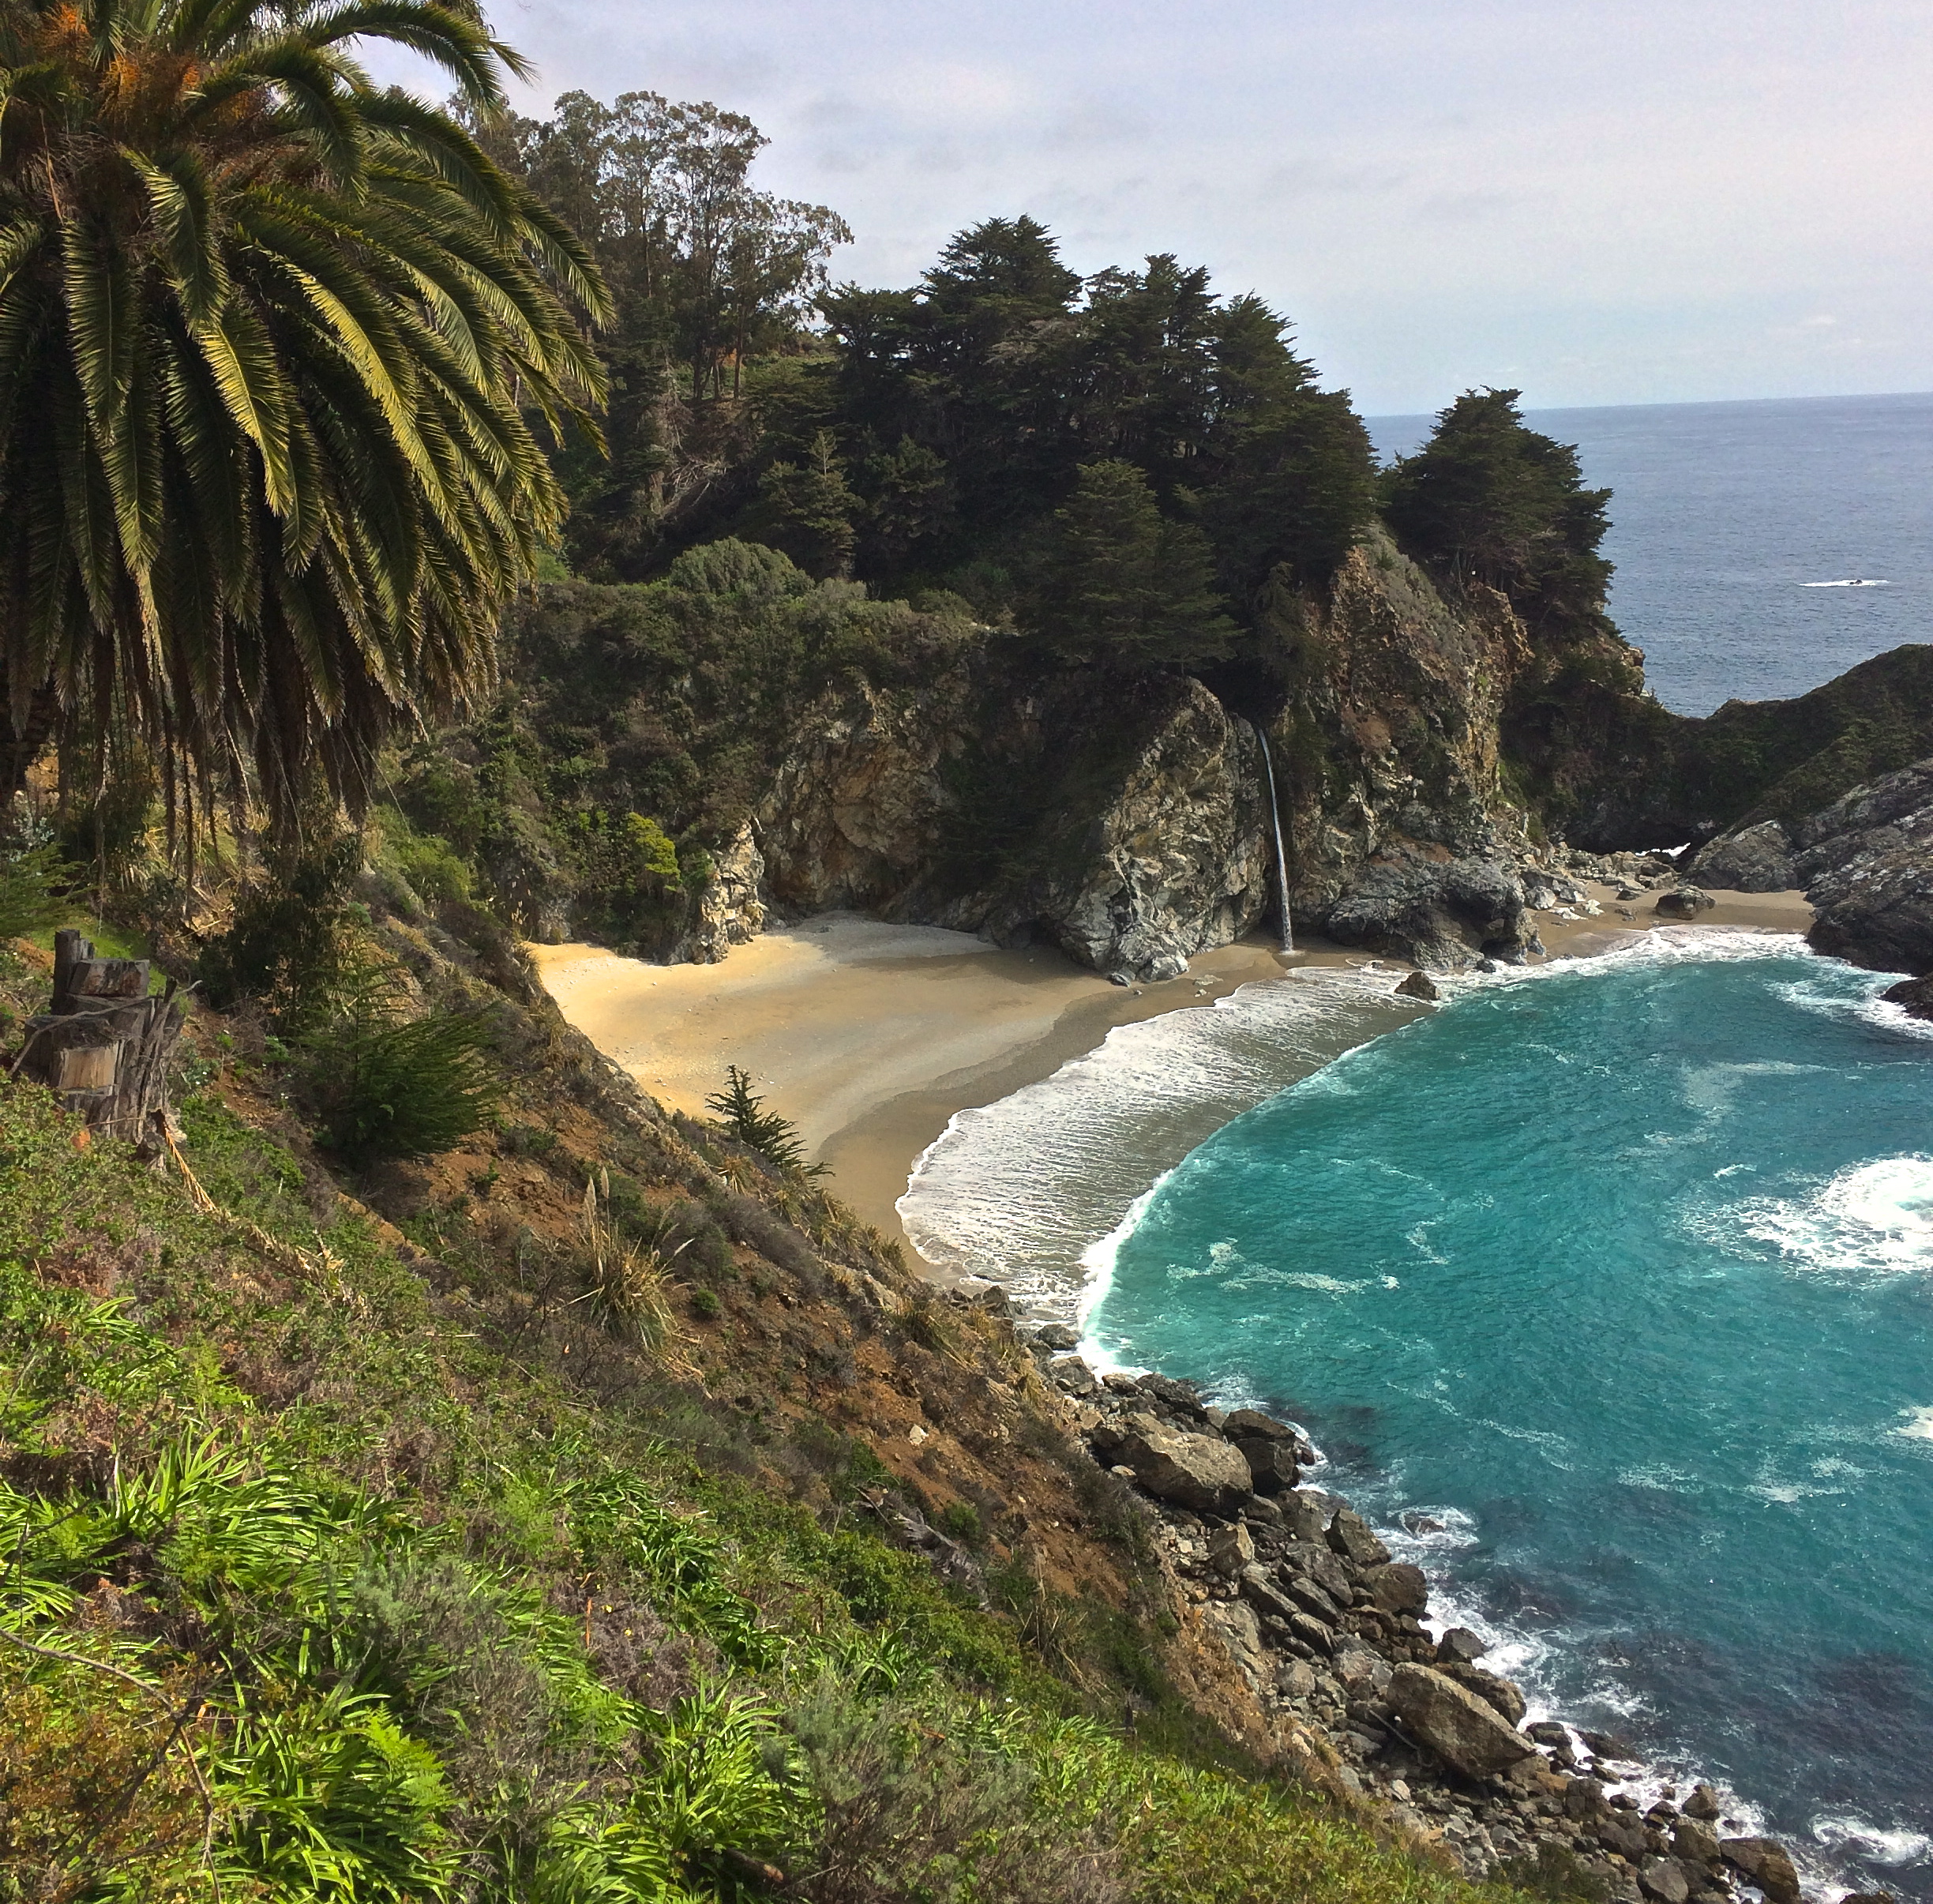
(870, 1036)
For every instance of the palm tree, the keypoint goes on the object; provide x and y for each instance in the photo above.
(276, 346)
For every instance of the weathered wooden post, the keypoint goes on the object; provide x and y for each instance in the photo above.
(105, 1047)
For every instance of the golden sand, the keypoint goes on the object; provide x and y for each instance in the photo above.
(871, 1036)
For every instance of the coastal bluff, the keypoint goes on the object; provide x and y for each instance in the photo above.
(1440, 765)
(1865, 862)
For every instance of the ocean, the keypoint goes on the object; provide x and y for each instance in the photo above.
(1603, 1289)
(1734, 524)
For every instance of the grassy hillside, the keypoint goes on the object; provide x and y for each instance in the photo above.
(565, 1538)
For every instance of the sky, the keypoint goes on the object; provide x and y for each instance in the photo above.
(1607, 202)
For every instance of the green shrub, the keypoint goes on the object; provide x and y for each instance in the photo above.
(386, 1086)
(291, 944)
(936, 1807)
(960, 1520)
(32, 885)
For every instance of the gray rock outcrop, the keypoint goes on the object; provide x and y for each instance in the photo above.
(729, 910)
(1867, 864)
(1155, 854)
(1434, 911)
(1767, 1863)
(1756, 858)
(1454, 1723)
(1198, 1471)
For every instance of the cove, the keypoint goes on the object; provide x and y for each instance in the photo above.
(1606, 1291)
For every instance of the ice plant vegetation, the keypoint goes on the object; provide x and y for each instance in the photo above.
(277, 349)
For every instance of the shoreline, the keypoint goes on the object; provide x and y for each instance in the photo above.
(836, 1019)
(871, 1038)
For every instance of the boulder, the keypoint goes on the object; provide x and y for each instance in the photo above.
(1311, 1598)
(1231, 1549)
(1454, 1724)
(1055, 1335)
(1198, 1471)
(1304, 1514)
(1350, 1536)
(1664, 1879)
(1250, 1424)
(1420, 985)
(1624, 1833)
(1071, 1376)
(1184, 1398)
(1914, 994)
(1433, 912)
(1695, 1842)
(1262, 1592)
(1295, 1679)
(1304, 1560)
(1766, 1863)
(1364, 1675)
(1754, 859)
(1397, 1588)
(1684, 903)
(1503, 1695)
(1271, 1464)
(1867, 865)
(1703, 1803)
(1460, 1643)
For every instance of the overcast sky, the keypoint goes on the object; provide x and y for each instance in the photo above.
(1605, 202)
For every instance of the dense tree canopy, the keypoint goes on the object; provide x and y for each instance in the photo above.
(1009, 373)
(274, 346)
(1122, 588)
(707, 271)
(1488, 497)
(917, 437)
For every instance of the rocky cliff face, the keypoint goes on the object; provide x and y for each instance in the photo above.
(1615, 770)
(1403, 835)
(1866, 862)
(1127, 830)
(1127, 823)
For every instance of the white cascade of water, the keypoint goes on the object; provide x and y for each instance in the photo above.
(1281, 857)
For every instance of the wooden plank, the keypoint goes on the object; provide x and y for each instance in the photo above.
(88, 1068)
(107, 978)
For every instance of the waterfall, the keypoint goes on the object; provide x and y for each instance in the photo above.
(1281, 858)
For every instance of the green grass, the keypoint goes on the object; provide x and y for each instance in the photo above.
(317, 1587)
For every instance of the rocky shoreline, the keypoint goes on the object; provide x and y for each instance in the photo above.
(1332, 1636)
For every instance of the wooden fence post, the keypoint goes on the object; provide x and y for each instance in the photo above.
(104, 1047)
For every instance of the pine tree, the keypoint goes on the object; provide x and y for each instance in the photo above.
(1487, 497)
(1124, 587)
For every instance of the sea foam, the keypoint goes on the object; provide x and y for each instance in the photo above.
(1037, 1190)
(1871, 1219)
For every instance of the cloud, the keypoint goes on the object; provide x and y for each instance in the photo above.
(1627, 201)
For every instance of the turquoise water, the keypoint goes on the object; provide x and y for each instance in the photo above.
(1611, 1286)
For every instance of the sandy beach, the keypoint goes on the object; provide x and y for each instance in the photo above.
(871, 1036)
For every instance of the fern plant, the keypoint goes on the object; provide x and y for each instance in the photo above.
(388, 1085)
